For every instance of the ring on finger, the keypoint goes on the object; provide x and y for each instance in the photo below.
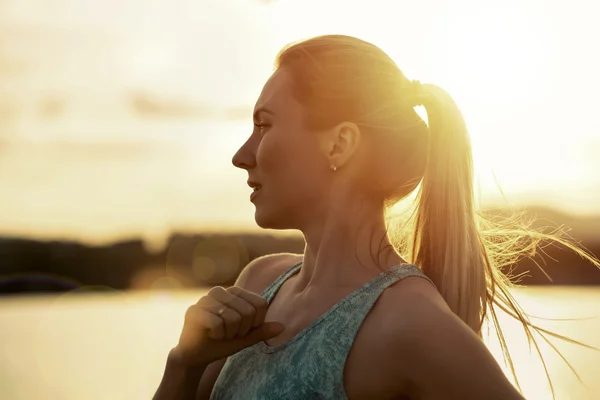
(221, 310)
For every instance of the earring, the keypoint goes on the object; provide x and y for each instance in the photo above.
(333, 168)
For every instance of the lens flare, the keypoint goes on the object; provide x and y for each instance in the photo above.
(207, 260)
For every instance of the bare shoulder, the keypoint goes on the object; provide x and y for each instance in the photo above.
(417, 300)
(432, 350)
(417, 309)
(262, 271)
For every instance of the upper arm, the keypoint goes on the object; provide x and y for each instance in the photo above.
(255, 277)
(441, 356)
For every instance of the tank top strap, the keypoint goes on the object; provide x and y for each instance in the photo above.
(361, 301)
(272, 289)
(399, 272)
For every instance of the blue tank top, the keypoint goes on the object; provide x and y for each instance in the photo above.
(311, 364)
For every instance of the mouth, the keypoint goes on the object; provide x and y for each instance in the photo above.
(256, 187)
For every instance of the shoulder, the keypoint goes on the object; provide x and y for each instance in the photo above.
(417, 299)
(409, 311)
(262, 271)
(430, 349)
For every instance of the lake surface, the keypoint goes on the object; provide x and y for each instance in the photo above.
(113, 346)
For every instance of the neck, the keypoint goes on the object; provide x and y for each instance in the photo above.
(346, 248)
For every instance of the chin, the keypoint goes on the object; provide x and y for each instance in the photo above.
(269, 220)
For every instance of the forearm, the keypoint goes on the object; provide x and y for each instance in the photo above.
(179, 382)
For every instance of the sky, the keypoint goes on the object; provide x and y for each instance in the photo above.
(524, 73)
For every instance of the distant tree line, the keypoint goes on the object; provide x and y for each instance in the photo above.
(201, 260)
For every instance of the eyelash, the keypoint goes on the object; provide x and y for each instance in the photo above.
(260, 127)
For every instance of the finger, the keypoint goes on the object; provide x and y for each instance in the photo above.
(221, 295)
(201, 319)
(232, 320)
(212, 304)
(259, 302)
(266, 331)
(245, 309)
(208, 303)
(214, 324)
(228, 316)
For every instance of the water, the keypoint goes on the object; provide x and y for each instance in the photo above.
(113, 346)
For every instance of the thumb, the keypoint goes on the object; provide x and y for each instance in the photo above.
(266, 331)
(271, 329)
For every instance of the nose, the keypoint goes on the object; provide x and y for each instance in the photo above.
(244, 158)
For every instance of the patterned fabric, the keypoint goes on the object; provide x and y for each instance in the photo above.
(311, 364)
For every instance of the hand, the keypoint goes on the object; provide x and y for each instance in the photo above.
(221, 323)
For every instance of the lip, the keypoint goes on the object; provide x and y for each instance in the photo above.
(252, 183)
(255, 193)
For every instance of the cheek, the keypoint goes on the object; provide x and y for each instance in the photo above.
(267, 154)
(291, 158)
(284, 149)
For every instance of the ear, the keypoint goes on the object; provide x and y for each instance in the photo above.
(340, 143)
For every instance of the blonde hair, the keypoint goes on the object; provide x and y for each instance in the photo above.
(340, 78)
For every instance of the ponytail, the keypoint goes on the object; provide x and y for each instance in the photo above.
(445, 241)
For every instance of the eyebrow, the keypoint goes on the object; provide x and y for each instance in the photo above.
(262, 110)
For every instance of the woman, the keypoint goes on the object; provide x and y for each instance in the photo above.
(336, 142)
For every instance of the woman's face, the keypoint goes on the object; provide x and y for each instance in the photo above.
(286, 165)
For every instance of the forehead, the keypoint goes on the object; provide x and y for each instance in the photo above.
(277, 95)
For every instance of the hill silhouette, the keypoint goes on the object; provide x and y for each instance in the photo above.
(206, 259)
